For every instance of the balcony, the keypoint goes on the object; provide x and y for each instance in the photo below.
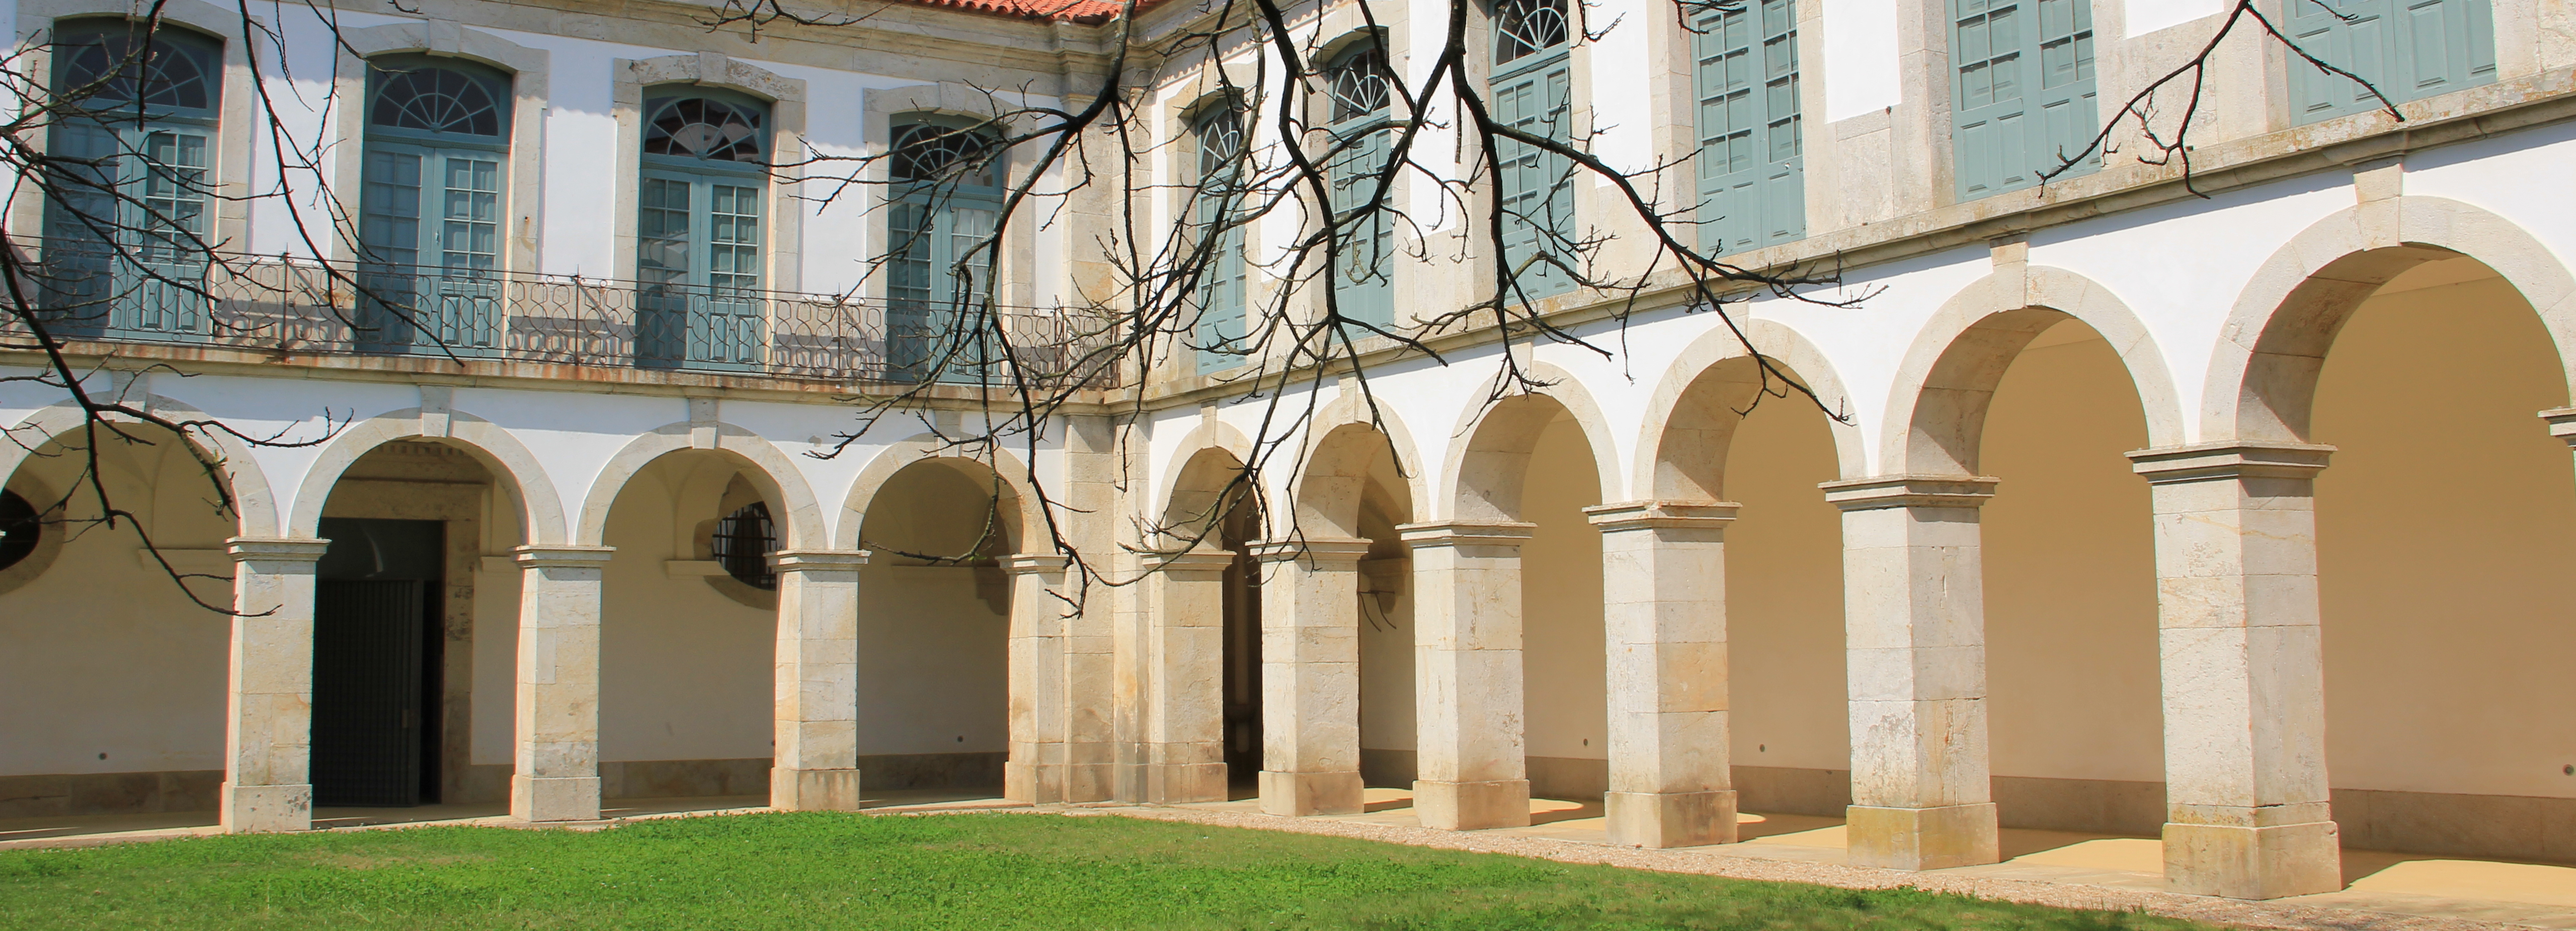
(299, 306)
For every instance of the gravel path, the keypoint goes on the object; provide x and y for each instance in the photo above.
(2061, 895)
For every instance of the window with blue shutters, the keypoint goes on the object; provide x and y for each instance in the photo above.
(2408, 49)
(947, 200)
(1752, 178)
(2023, 97)
(129, 222)
(1532, 90)
(430, 205)
(698, 229)
(1363, 136)
(1219, 331)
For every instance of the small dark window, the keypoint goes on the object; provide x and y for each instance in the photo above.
(19, 529)
(744, 539)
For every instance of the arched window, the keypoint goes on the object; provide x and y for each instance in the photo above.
(1362, 95)
(1532, 90)
(946, 195)
(1220, 325)
(743, 542)
(130, 215)
(1752, 161)
(429, 218)
(698, 228)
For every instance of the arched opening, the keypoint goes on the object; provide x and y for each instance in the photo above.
(2076, 718)
(934, 631)
(112, 681)
(2445, 526)
(1354, 489)
(415, 631)
(688, 634)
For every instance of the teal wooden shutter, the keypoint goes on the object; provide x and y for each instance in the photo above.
(1364, 270)
(2408, 49)
(1219, 329)
(1751, 164)
(1535, 190)
(2024, 94)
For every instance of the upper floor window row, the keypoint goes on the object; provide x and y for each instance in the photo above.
(2407, 49)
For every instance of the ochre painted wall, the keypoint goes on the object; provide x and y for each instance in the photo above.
(684, 670)
(2446, 538)
(934, 641)
(1566, 698)
(2071, 666)
(1784, 593)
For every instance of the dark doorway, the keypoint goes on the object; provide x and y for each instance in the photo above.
(377, 654)
(1242, 650)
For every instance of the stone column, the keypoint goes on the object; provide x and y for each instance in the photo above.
(1914, 631)
(2244, 687)
(1474, 772)
(1310, 676)
(1663, 570)
(268, 732)
(1039, 764)
(557, 778)
(814, 766)
(1184, 681)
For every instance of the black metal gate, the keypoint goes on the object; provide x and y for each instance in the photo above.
(367, 713)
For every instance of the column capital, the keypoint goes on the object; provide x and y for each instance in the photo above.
(1027, 563)
(1196, 559)
(562, 556)
(2562, 423)
(1910, 491)
(818, 560)
(2228, 461)
(1662, 515)
(1337, 551)
(276, 549)
(1467, 533)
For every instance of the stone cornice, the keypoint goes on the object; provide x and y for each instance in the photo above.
(2562, 423)
(1202, 559)
(818, 560)
(1335, 552)
(1467, 533)
(1910, 491)
(2203, 462)
(1037, 563)
(1662, 515)
(276, 549)
(562, 556)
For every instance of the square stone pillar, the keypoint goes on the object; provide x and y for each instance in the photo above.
(1473, 768)
(1663, 572)
(2244, 679)
(1310, 676)
(557, 775)
(814, 766)
(1182, 757)
(1040, 769)
(268, 719)
(1915, 640)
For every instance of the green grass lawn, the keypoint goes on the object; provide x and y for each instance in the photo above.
(979, 872)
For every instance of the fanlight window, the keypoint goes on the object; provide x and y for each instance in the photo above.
(1359, 84)
(933, 152)
(743, 542)
(120, 63)
(1528, 27)
(1220, 142)
(707, 129)
(437, 100)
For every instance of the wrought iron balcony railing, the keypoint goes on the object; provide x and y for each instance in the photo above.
(296, 305)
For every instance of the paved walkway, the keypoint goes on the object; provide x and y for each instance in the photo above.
(2383, 891)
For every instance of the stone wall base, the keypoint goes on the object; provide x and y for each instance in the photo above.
(73, 794)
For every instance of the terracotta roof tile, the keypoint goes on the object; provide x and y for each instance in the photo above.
(1080, 11)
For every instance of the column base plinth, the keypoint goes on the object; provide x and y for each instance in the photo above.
(1472, 806)
(1181, 783)
(565, 798)
(265, 809)
(1297, 795)
(1670, 819)
(1922, 838)
(2253, 862)
(813, 789)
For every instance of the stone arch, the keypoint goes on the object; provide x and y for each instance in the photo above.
(1205, 487)
(776, 476)
(1021, 506)
(1326, 487)
(1690, 420)
(1483, 477)
(541, 513)
(2263, 376)
(1207, 434)
(1937, 412)
(254, 502)
(529, 71)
